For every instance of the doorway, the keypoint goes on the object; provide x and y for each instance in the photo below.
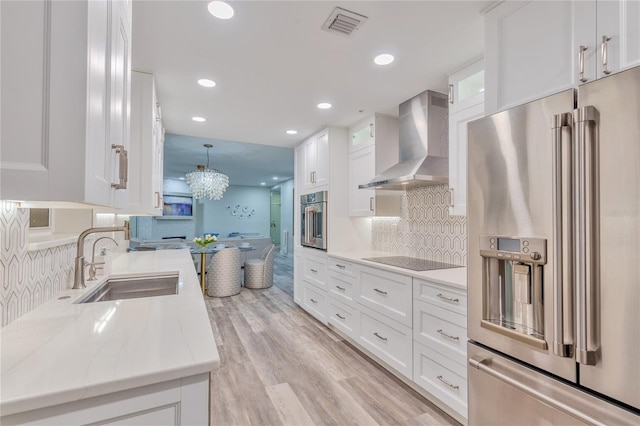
(275, 216)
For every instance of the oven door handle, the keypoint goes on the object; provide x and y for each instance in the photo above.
(309, 224)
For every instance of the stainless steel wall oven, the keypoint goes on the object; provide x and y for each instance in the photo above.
(313, 218)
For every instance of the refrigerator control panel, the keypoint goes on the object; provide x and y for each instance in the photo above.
(523, 249)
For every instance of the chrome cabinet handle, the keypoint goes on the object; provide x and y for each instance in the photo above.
(448, 299)
(604, 52)
(562, 173)
(586, 120)
(451, 94)
(314, 270)
(380, 291)
(379, 336)
(448, 335)
(451, 385)
(371, 130)
(314, 301)
(340, 288)
(340, 266)
(581, 76)
(371, 204)
(123, 167)
(157, 206)
(340, 316)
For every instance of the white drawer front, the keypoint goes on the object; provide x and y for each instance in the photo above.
(342, 267)
(315, 302)
(440, 295)
(388, 340)
(442, 330)
(343, 317)
(441, 377)
(315, 271)
(341, 287)
(387, 293)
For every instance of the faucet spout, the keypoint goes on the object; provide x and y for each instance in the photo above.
(78, 276)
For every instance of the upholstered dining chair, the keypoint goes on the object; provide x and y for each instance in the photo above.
(258, 273)
(224, 276)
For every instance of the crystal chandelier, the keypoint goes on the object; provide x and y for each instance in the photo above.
(207, 183)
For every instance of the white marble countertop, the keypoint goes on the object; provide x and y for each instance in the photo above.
(62, 351)
(455, 277)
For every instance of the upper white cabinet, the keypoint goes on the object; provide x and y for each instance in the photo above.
(373, 148)
(66, 106)
(466, 103)
(147, 147)
(315, 161)
(533, 48)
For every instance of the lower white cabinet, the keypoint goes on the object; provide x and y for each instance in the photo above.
(387, 339)
(386, 292)
(177, 402)
(310, 282)
(344, 317)
(341, 287)
(315, 302)
(440, 376)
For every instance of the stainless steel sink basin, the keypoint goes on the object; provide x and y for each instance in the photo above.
(132, 287)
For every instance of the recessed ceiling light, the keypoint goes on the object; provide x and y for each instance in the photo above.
(324, 105)
(220, 9)
(262, 183)
(292, 132)
(206, 82)
(383, 59)
(199, 119)
(275, 178)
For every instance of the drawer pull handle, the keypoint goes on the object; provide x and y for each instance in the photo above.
(340, 288)
(379, 336)
(452, 386)
(379, 291)
(314, 270)
(448, 335)
(314, 301)
(448, 299)
(340, 266)
(340, 316)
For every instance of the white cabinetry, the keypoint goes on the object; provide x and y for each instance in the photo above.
(524, 62)
(366, 158)
(440, 336)
(342, 311)
(466, 103)
(315, 161)
(67, 103)
(310, 282)
(147, 147)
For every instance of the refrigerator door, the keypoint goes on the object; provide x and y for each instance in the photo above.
(608, 310)
(511, 169)
(504, 392)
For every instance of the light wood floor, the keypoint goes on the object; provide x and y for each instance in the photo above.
(279, 366)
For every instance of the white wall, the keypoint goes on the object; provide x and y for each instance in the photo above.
(215, 216)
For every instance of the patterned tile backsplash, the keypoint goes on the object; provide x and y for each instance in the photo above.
(424, 229)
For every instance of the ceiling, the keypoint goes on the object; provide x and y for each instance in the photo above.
(273, 63)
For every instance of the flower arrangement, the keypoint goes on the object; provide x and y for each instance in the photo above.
(203, 242)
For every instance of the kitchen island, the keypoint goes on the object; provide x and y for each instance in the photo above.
(145, 359)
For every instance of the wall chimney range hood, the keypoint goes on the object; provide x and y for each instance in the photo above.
(423, 145)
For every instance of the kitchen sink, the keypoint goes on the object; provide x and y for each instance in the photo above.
(133, 287)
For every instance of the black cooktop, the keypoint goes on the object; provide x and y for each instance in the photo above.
(412, 263)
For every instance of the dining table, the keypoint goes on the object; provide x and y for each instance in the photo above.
(213, 250)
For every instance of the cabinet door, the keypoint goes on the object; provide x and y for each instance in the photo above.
(362, 135)
(531, 50)
(309, 163)
(466, 87)
(361, 169)
(120, 111)
(619, 26)
(458, 157)
(322, 160)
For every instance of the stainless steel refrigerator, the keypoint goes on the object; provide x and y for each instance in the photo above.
(554, 259)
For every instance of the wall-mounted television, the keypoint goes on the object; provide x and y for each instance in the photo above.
(177, 206)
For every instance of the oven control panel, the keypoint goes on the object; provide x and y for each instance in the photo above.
(523, 249)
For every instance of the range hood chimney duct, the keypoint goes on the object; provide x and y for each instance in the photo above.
(423, 144)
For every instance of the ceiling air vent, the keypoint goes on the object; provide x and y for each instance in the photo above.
(343, 22)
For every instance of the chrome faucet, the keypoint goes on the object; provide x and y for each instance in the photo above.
(93, 264)
(78, 277)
